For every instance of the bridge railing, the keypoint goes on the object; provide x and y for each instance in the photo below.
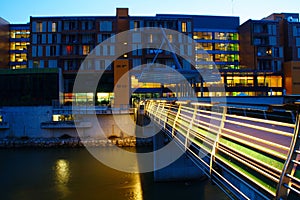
(233, 149)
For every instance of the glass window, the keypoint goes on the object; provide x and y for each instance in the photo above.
(202, 36)
(85, 49)
(170, 38)
(105, 36)
(204, 57)
(183, 27)
(106, 26)
(272, 40)
(12, 34)
(221, 46)
(151, 38)
(226, 36)
(36, 64)
(220, 36)
(136, 24)
(39, 39)
(257, 28)
(297, 42)
(52, 63)
(232, 47)
(54, 38)
(272, 29)
(53, 51)
(87, 38)
(297, 31)
(69, 49)
(39, 27)
(207, 46)
(54, 26)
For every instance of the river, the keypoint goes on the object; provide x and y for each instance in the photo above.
(73, 174)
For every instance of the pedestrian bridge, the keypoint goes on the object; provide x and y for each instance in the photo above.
(248, 153)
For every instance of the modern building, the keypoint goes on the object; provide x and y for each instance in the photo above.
(260, 46)
(64, 42)
(289, 33)
(29, 87)
(290, 40)
(19, 44)
(4, 43)
(250, 57)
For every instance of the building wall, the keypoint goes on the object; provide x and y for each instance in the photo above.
(260, 45)
(4, 44)
(247, 50)
(291, 40)
(292, 78)
(26, 121)
(26, 87)
(19, 44)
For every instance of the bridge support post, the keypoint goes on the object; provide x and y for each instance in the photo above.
(182, 169)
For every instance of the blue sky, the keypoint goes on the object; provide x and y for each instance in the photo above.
(19, 11)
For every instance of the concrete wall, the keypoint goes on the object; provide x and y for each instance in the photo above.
(26, 121)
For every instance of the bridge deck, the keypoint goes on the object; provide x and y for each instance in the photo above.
(233, 148)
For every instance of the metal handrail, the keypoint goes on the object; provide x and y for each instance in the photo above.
(187, 121)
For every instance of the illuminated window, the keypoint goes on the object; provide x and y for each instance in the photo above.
(12, 46)
(36, 64)
(226, 36)
(204, 57)
(69, 49)
(39, 27)
(269, 81)
(136, 25)
(220, 46)
(54, 26)
(151, 38)
(85, 50)
(204, 46)
(183, 27)
(170, 38)
(202, 35)
(12, 34)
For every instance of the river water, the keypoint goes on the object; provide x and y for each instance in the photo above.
(29, 174)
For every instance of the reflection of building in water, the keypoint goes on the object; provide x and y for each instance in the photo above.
(62, 176)
(62, 171)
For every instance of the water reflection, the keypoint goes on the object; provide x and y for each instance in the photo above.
(62, 172)
(73, 174)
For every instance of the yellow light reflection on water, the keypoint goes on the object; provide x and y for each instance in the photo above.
(138, 188)
(62, 176)
(62, 171)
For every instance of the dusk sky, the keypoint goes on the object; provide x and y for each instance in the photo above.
(19, 11)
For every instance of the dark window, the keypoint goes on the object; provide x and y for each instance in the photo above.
(105, 36)
(39, 39)
(54, 38)
(53, 51)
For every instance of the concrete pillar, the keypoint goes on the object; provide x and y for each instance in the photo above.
(182, 169)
